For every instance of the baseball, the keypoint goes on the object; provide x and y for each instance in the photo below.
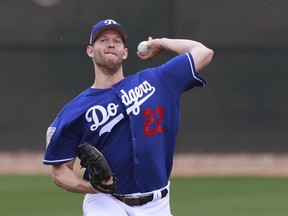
(143, 48)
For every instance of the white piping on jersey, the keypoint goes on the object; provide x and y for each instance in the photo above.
(192, 69)
(57, 161)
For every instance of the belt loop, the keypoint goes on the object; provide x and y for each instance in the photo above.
(157, 194)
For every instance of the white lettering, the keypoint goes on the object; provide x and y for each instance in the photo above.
(102, 118)
(110, 22)
(99, 115)
(135, 94)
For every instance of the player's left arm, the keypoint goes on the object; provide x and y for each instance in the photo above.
(202, 55)
(64, 177)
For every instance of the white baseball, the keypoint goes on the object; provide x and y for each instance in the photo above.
(143, 48)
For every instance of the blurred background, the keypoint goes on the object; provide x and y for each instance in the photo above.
(243, 109)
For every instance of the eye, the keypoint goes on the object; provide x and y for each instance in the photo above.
(102, 40)
(118, 41)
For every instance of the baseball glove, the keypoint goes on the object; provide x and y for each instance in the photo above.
(98, 169)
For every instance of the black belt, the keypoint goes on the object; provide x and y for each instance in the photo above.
(138, 201)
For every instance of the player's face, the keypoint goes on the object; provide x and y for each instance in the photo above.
(109, 51)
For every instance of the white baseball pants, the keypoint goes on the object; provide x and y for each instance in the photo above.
(106, 205)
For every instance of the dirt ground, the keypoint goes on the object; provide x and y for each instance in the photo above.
(29, 163)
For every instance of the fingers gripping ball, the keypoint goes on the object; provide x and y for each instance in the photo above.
(98, 168)
(143, 48)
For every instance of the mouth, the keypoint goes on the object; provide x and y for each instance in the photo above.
(110, 53)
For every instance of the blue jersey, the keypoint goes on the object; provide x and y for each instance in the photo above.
(134, 124)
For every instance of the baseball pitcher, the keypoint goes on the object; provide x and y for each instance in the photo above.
(124, 129)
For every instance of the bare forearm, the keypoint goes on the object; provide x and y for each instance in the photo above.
(64, 177)
(178, 46)
(201, 54)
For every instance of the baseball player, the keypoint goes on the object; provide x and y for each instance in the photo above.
(133, 121)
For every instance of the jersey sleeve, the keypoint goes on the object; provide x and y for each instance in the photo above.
(61, 143)
(179, 74)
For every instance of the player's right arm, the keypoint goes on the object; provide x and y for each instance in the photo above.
(64, 177)
(202, 55)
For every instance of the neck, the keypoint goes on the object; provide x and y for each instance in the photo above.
(103, 81)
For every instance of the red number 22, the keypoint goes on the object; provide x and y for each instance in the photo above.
(149, 129)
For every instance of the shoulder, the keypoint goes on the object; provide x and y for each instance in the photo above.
(75, 106)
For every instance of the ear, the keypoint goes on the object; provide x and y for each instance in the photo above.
(125, 54)
(90, 51)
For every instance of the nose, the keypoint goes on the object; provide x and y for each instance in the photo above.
(110, 43)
